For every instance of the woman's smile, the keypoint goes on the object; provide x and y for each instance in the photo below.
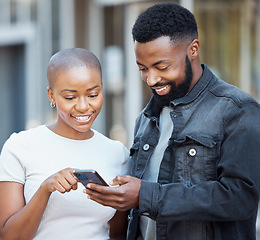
(82, 119)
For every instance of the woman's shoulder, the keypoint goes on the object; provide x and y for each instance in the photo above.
(115, 149)
(25, 135)
(102, 139)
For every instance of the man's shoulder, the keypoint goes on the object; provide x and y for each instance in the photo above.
(141, 116)
(226, 90)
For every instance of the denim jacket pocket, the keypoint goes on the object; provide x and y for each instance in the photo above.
(195, 159)
(133, 156)
(134, 148)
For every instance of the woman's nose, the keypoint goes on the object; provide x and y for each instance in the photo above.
(82, 105)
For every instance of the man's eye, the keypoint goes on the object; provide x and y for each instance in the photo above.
(142, 69)
(163, 68)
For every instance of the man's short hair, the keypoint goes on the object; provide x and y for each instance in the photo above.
(166, 19)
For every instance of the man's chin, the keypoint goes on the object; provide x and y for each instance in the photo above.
(165, 100)
(162, 100)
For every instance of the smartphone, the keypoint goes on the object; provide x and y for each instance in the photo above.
(89, 176)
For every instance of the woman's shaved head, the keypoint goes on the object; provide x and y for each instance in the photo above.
(70, 58)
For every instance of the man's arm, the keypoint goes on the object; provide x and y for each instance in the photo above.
(118, 225)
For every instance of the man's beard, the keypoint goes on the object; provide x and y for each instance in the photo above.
(175, 91)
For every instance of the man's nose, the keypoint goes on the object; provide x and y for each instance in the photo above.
(152, 78)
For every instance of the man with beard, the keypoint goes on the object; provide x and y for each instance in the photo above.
(194, 161)
(174, 91)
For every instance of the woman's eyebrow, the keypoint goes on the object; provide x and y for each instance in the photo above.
(68, 90)
(93, 87)
(71, 90)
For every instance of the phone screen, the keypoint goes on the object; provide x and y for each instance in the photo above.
(89, 176)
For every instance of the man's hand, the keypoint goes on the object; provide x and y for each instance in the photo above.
(122, 197)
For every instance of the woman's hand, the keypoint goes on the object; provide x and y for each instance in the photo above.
(62, 181)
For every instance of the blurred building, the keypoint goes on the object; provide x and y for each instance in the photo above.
(32, 30)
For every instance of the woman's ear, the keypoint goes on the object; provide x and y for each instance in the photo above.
(51, 96)
(194, 49)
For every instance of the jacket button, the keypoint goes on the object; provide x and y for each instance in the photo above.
(146, 147)
(192, 152)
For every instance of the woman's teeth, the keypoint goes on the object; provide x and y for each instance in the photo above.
(82, 118)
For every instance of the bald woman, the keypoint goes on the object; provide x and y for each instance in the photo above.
(40, 196)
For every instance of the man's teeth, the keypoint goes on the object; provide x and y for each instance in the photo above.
(82, 118)
(161, 89)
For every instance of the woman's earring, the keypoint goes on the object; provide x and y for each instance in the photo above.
(52, 105)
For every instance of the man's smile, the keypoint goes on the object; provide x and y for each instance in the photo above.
(162, 90)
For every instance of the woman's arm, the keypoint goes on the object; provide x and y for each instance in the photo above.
(17, 220)
(118, 226)
(21, 221)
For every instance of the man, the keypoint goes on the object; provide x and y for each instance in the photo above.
(194, 160)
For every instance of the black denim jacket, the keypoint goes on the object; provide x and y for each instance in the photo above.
(208, 184)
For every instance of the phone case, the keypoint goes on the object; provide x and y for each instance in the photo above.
(89, 176)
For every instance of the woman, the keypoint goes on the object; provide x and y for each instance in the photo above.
(36, 166)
